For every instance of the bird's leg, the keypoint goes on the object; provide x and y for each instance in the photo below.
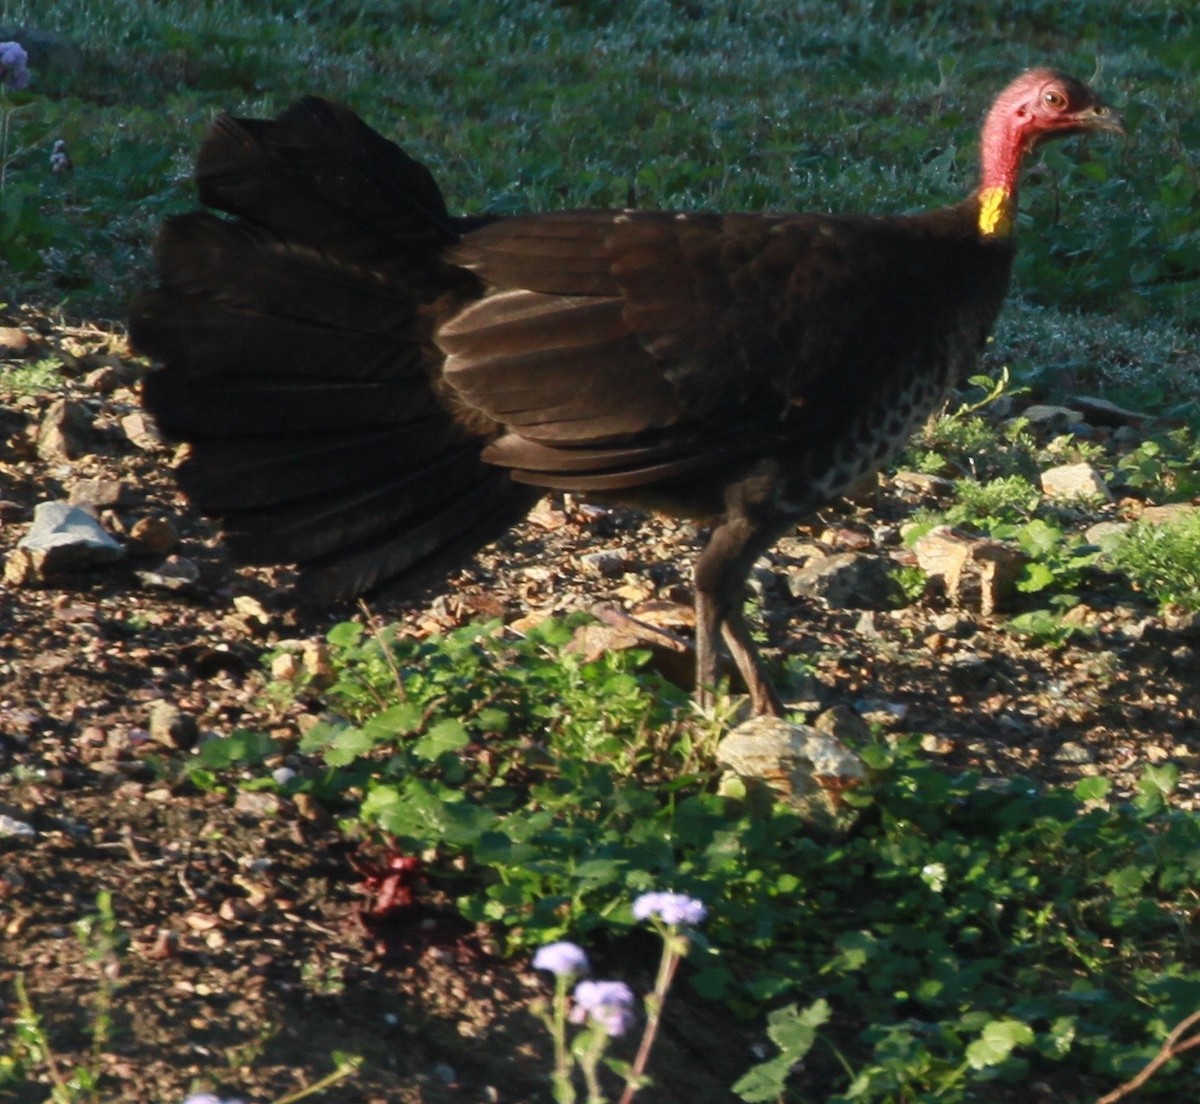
(720, 580)
(708, 624)
(764, 699)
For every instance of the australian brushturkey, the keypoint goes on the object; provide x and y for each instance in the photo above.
(374, 388)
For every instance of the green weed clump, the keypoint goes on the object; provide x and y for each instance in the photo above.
(1163, 560)
(996, 497)
(962, 938)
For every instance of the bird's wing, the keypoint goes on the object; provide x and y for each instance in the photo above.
(642, 341)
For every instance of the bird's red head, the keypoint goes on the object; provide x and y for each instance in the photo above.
(1040, 104)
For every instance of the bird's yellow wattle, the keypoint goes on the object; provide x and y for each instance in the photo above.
(995, 212)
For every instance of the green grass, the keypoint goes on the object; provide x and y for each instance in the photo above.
(748, 105)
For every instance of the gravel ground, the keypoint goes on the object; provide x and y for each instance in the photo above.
(247, 958)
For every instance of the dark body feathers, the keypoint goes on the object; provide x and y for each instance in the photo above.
(373, 388)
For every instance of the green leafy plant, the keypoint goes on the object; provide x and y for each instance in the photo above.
(1167, 469)
(793, 1031)
(38, 378)
(962, 936)
(1163, 560)
(1044, 627)
(1005, 499)
(31, 1047)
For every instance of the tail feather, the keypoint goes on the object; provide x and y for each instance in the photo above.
(225, 474)
(426, 551)
(297, 357)
(204, 341)
(318, 175)
(324, 523)
(245, 267)
(248, 408)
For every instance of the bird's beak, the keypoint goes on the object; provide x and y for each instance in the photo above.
(1100, 117)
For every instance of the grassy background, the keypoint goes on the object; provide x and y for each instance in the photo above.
(751, 105)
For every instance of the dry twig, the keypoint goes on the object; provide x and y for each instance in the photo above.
(1171, 1048)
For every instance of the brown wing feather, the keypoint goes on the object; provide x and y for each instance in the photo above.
(558, 368)
(713, 335)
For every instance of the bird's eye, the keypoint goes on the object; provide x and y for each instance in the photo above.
(1054, 99)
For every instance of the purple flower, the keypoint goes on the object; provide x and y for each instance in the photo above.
(670, 908)
(561, 959)
(607, 1003)
(14, 66)
(208, 1098)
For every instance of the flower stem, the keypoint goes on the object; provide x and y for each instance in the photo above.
(4, 118)
(588, 1062)
(674, 949)
(564, 1091)
(345, 1068)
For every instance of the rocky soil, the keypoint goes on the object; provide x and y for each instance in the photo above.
(246, 960)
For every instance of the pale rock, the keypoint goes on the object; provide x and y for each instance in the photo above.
(14, 343)
(886, 714)
(1042, 414)
(1072, 752)
(1074, 481)
(142, 433)
(659, 613)
(11, 828)
(806, 769)
(1167, 514)
(975, 572)
(62, 538)
(256, 803)
(953, 624)
(609, 563)
(762, 580)
(1182, 622)
(317, 662)
(1105, 535)
(867, 626)
(843, 724)
(843, 539)
(98, 494)
(251, 608)
(1081, 616)
(65, 432)
(634, 592)
(171, 727)
(175, 573)
(103, 380)
(845, 580)
(921, 483)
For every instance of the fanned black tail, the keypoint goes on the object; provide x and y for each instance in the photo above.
(298, 363)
